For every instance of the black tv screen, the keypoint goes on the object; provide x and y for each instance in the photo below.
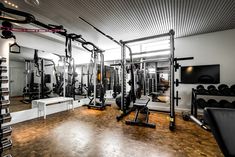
(202, 74)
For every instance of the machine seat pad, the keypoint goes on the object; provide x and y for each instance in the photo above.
(141, 102)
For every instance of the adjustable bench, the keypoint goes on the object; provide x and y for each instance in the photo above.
(221, 122)
(141, 107)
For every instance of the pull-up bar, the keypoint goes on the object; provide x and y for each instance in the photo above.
(171, 32)
(147, 52)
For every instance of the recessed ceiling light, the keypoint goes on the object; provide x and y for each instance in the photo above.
(33, 3)
(11, 4)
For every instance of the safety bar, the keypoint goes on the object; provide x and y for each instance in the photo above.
(184, 58)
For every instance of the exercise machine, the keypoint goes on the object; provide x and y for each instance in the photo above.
(34, 90)
(97, 87)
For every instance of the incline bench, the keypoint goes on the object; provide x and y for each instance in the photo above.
(141, 107)
(42, 103)
(221, 122)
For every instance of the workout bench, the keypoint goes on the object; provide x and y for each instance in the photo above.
(141, 107)
(221, 122)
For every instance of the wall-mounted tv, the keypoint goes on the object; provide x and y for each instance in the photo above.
(202, 74)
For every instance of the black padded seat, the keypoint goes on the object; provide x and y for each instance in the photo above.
(222, 124)
(141, 107)
(141, 102)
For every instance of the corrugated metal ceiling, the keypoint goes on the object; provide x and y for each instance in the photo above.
(129, 19)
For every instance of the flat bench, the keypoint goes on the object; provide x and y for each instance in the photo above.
(42, 103)
(141, 107)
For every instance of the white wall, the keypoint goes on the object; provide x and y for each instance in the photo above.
(211, 48)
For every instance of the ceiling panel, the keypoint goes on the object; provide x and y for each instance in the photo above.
(129, 19)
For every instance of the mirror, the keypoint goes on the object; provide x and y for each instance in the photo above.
(32, 79)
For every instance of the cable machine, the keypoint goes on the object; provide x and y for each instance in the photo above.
(174, 66)
(27, 18)
(97, 88)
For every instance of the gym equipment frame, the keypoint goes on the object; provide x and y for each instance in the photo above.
(93, 103)
(125, 111)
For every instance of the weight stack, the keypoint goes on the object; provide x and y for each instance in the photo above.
(5, 116)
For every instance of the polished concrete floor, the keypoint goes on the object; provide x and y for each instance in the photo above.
(92, 133)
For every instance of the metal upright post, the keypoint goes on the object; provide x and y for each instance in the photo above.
(42, 79)
(172, 84)
(156, 78)
(145, 78)
(123, 78)
(102, 67)
(95, 75)
(64, 77)
(88, 77)
(81, 79)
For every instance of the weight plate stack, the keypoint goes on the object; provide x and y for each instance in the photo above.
(212, 103)
(232, 88)
(201, 103)
(212, 90)
(224, 89)
(225, 104)
(201, 89)
(233, 104)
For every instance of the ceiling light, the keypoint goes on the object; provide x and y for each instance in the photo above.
(11, 4)
(33, 3)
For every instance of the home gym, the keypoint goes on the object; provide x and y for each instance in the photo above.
(112, 78)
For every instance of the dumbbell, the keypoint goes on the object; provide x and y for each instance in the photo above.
(201, 103)
(232, 88)
(4, 118)
(212, 103)
(212, 90)
(5, 132)
(225, 104)
(224, 89)
(201, 89)
(5, 144)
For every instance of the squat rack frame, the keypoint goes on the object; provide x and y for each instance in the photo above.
(124, 108)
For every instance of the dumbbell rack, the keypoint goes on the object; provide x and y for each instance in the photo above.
(195, 93)
(5, 131)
